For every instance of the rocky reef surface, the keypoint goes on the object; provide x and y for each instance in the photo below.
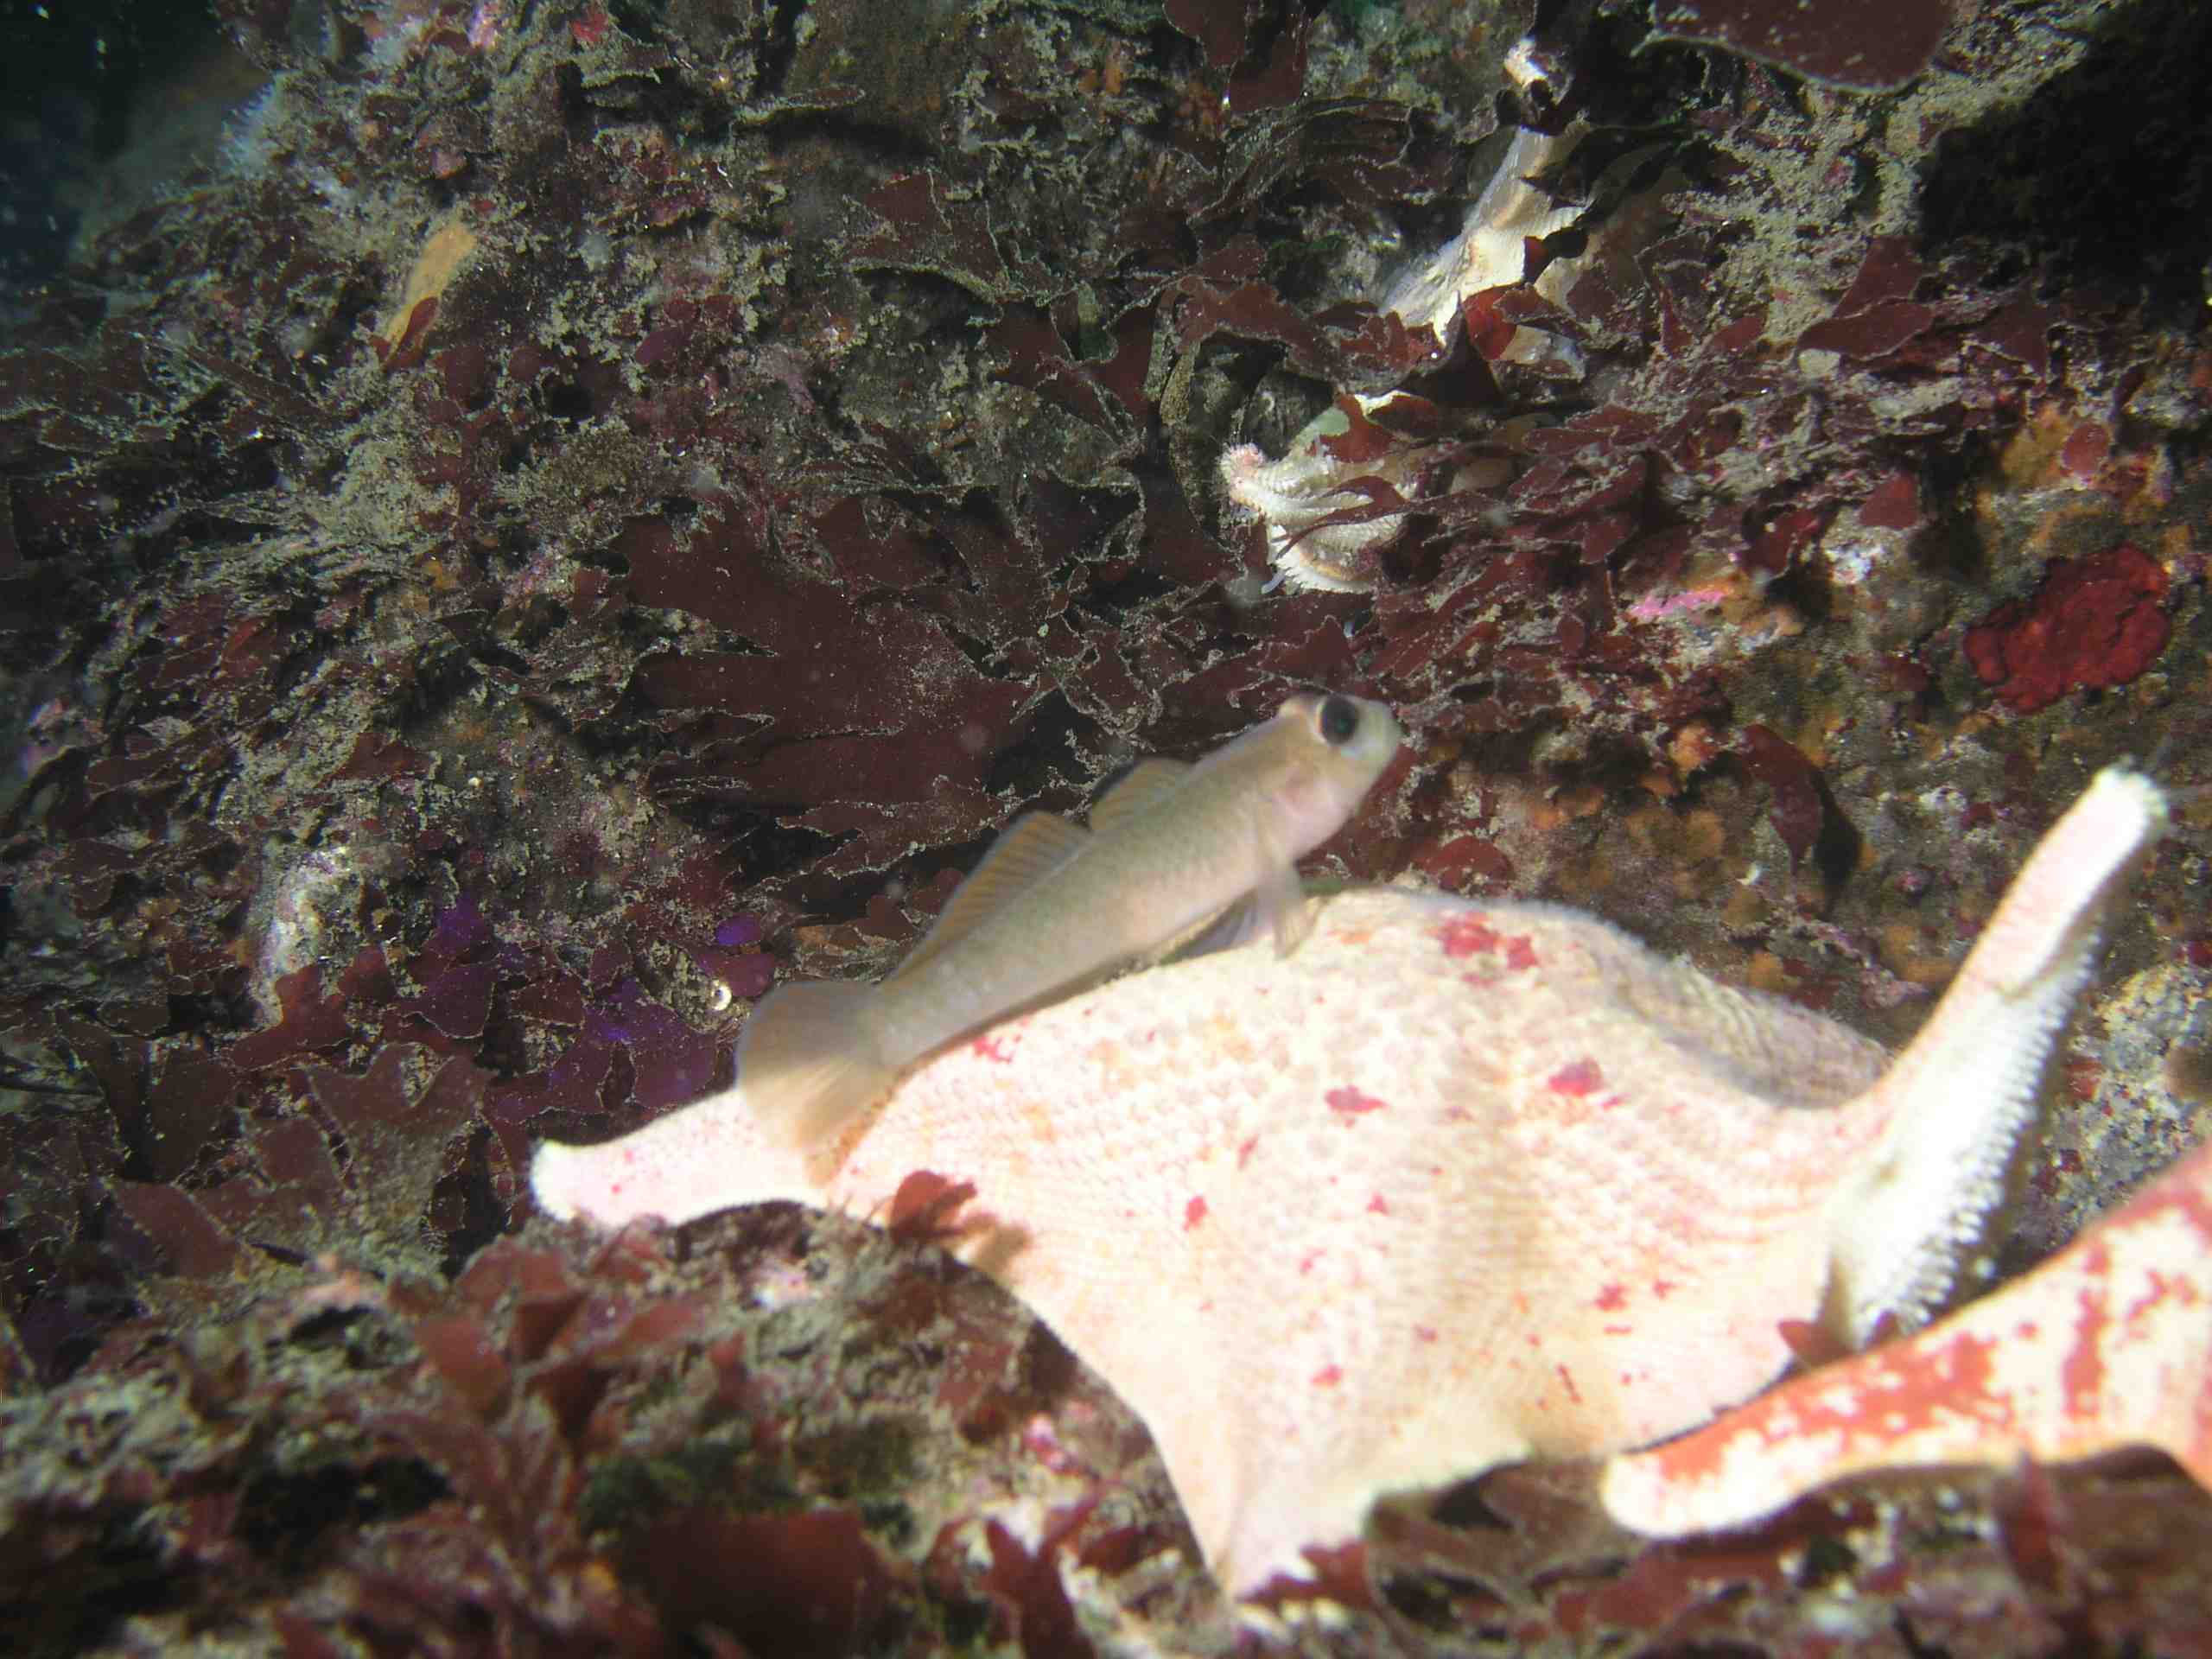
(525, 520)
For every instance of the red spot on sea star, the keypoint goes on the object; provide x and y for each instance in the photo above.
(1663, 1288)
(1194, 1212)
(1376, 1207)
(992, 1048)
(1465, 935)
(1244, 1152)
(1566, 1378)
(1351, 1103)
(1328, 1376)
(1611, 1300)
(2081, 1373)
(1425, 1333)
(1580, 1079)
(2160, 1288)
(1306, 1261)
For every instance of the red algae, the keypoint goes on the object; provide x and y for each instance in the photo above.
(2093, 623)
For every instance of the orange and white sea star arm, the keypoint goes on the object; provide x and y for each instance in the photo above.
(2107, 1345)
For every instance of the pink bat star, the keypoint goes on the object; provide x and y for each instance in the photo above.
(1450, 1185)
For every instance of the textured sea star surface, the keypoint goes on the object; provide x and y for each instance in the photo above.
(1450, 1185)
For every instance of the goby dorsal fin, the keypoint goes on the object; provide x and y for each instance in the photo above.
(1032, 847)
(1147, 782)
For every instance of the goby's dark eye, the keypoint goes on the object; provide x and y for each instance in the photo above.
(1339, 721)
